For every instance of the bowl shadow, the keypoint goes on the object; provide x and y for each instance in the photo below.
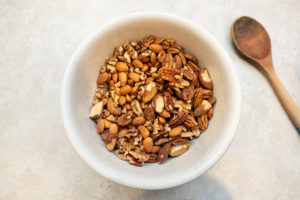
(203, 187)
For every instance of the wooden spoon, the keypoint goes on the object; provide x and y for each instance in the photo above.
(252, 40)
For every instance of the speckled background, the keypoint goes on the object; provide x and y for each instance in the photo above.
(37, 160)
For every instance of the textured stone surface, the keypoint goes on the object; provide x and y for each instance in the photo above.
(37, 161)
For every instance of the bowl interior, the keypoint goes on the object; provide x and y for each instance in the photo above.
(80, 84)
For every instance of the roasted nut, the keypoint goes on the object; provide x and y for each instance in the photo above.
(196, 132)
(165, 114)
(150, 92)
(212, 100)
(156, 48)
(161, 56)
(176, 131)
(152, 158)
(164, 153)
(205, 79)
(125, 90)
(148, 144)
(122, 67)
(153, 58)
(202, 108)
(144, 131)
(137, 63)
(188, 93)
(161, 141)
(179, 149)
(155, 149)
(123, 78)
(110, 146)
(138, 121)
(149, 80)
(100, 126)
(149, 113)
(122, 100)
(197, 98)
(145, 68)
(203, 122)
(115, 77)
(169, 102)
(106, 123)
(102, 78)
(158, 103)
(113, 128)
(190, 121)
(210, 113)
(125, 119)
(96, 110)
(162, 120)
(127, 106)
(112, 109)
(191, 58)
(122, 132)
(179, 119)
(134, 76)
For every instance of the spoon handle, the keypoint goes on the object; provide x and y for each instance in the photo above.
(287, 102)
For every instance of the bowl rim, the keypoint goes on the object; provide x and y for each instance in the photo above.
(86, 43)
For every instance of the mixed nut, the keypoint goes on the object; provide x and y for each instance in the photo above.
(151, 100)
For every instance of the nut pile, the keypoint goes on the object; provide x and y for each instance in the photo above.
(151, 100)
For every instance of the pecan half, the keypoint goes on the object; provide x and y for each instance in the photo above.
(203, 122)
(179, 119)
(168, 74)
(190, 121)
(152, 158)
(169, 102)
(188, 93)
(179, 141)
(160, 135)
(125, 119)
(149, 113)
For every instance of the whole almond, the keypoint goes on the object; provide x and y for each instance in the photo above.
(145, 68)
(102, 78)
(114, 77)
(148, 144)
(122, 67)
(122, 132)
(156, 48)
(138, 121)
(162, 120)
(165, 114)
(134, 76)
(100, 126)
(155, 149)
(113, 128)
(123, 78)
(176, 131)
(137, 63)
(122, 100)
(125, 90)
(153, 58)
(143, 131)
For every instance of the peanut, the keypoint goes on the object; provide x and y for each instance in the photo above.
(102, 78)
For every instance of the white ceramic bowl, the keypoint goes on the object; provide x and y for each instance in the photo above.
(80, 83)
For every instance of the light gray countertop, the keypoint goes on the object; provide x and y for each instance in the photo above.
(37, 160)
